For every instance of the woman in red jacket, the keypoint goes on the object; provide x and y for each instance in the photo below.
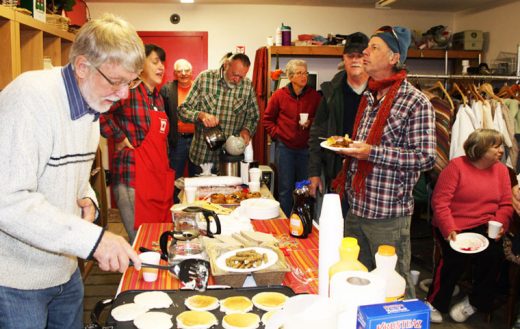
(471, 191)
(282, 122)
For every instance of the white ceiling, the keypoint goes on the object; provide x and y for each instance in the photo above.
(428, 5)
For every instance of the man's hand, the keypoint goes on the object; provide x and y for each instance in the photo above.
(315, 184)
(88, 209)
(114, 253)
(358, 150)
(244, 133)
(516, 198)
(208, 120)
(124, 143)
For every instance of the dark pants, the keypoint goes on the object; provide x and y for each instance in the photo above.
(452, 265)
(179, 158)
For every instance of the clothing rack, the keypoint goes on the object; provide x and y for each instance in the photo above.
(463, 77)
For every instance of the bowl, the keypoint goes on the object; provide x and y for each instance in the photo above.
(261, 208)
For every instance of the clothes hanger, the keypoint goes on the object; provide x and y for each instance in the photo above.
(505, 91)
(439, 85)
(474, 91)
(456, 89)
(487, 89)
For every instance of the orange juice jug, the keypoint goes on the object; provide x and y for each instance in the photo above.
(348, 254)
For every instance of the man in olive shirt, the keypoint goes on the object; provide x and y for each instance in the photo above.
(222, 97)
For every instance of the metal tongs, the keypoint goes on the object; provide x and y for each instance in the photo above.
(194, 273)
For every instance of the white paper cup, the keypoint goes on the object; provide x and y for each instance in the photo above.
(303, 118)
(191, 193)
(255, 174)
(493, 229)
(150, 257)
(254, 186)
(415, 276)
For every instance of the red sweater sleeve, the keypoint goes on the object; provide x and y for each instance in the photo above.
(270, 117)
(443, 193)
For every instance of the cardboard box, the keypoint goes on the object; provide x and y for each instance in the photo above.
(402, 314)
(37, 8)
(468, 40)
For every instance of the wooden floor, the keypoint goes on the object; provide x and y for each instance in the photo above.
(101, 285)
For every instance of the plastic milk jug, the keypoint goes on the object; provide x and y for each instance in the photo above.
(348, 253)
(386, 259)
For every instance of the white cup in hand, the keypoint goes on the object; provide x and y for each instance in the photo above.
(303, 118)
(494, 229)
(150, 257)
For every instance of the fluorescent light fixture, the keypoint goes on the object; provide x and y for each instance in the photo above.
(187, 1)
(384, 3)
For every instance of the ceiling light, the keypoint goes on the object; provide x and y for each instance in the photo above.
(384, 3)
(192, 1)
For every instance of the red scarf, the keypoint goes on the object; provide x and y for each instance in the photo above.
(374, 136)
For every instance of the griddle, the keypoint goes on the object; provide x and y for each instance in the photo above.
(178, 297)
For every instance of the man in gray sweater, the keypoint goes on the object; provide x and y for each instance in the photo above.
(49, 133)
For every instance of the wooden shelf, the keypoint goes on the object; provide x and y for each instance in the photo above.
(26, 42)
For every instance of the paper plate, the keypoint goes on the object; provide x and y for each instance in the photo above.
(272, 258)
(470, 243)
(335, 149)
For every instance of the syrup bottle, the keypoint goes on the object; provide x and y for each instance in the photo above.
(300, 220)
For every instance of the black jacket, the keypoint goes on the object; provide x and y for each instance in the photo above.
(170, 97)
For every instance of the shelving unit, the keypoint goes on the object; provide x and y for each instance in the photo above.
(26, 42)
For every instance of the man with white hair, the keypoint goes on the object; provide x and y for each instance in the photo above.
(181, 133)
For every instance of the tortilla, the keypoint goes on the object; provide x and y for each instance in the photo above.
(128, 312)
(154, 320)
(153, 299)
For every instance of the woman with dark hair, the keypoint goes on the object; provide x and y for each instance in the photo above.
(142, 180)
(471, 191)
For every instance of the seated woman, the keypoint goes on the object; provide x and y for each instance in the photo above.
(471, 191)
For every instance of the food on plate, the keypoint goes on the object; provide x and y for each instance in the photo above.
(236, 304)
(251, 195)
(128, 312)
(234, 197)
(153, 299)
(241, 321)
(269, 301)
(154, 320)
(246, 259)
(267, 316)
(201, 303)
(196, 319)
(339, 141)
(218, 198)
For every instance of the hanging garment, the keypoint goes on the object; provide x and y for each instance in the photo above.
(465, 123)
(154, 178)
(514, 113)
(500, 125)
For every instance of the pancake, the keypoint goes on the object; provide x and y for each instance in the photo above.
(201, 303)
(153, 299)
(269, 301)
(241, 321)
(267, 316)
(236, 304)
(154, 320)
(128, 312)
(196, 320)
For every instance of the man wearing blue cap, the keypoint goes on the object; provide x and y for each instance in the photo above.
(335, 115)
(395, 139)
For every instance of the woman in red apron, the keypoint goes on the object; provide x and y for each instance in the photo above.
(142, 179)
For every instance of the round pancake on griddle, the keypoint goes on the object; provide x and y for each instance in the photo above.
(236, 304)
(269, 301)
(267, 316)
(196, 320)
(153, 320)
(153, 299)
(201, 303)
(128, 312)
(241, 321)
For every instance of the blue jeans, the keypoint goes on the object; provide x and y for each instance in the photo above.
(178, 159)
(291, 166)
(57, 307)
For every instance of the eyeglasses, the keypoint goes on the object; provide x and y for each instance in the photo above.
(301, 74)
(390, 30)
(120, 84)
(185, 71)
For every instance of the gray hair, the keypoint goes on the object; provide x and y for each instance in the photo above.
(109, 39)
(182, 62)
(291, 66)
(481, 140)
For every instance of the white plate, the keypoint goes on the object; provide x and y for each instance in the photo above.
(272, 258)
(261, 208)
(335, 149)
(470, 243)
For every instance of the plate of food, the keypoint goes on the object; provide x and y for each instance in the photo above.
(246, 260)
(337, 143)
(469, 243)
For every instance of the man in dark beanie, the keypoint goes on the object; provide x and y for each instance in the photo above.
(394, 134)
(335, 115)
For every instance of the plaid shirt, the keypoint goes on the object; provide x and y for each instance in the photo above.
(235, 107)
(129, 118)
(407, 148)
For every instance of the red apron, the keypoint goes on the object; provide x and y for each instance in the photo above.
(154, 179)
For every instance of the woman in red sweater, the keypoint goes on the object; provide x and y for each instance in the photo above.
(471, 191)
(282, 121)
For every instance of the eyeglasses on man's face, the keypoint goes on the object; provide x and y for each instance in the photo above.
(118, 85)
(184, 71)
(390, 30)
